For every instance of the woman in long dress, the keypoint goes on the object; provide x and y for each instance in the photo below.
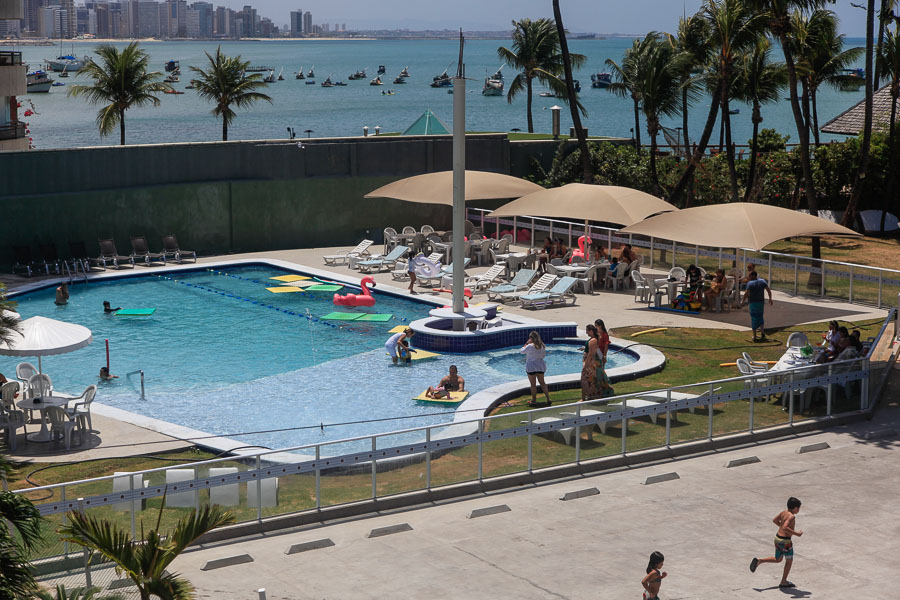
(594, 381)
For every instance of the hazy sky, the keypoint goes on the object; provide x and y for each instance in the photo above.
(606, 16)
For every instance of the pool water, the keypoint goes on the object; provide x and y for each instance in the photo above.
(223, 355)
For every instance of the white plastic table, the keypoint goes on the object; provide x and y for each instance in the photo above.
(44, 434)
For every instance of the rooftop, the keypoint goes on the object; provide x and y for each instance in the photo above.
(851, 121)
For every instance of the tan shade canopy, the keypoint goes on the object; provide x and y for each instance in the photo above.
(437, 188)
(735, 225)
(607, 203)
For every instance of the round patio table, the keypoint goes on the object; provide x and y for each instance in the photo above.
(42, 405)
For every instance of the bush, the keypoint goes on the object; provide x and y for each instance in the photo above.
(770, 140)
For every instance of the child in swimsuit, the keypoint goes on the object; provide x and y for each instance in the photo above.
(654, 577)
(784, 547)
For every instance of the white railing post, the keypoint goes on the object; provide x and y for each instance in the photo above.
(578, 436)
(822, 279)
(770, 270)
(791, 401)
(62, 498)
(131, 504)
(796, 274)
(880, 284)
(374, 470)
(480, 450)
(318, 479)
(828, 392)
(86, 553)
(669, 419)
(864, 390)
(651, 251)
(530, 441)
(624, 425)
(428, 459)
(710, 410)
(258, 490)
(851, 285)
(570, 235)
(674, 250)
(532, 232)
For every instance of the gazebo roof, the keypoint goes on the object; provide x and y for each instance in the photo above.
(850, 122)
(427, 124)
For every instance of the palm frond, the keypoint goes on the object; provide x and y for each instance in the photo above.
(18, 511)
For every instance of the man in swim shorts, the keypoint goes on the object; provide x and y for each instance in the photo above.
(397, 346)
(450, 383)
(755, 298)
(784, 546)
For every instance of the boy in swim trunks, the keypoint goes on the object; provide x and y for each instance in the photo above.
(784, 547)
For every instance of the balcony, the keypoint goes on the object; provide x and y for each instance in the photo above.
(10, 59)
(11, 131)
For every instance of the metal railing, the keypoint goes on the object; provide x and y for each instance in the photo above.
(273, 483)
(853, 283)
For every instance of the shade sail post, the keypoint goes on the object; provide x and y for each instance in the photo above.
(459, 196)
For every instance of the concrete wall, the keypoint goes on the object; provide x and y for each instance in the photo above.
(222, 197)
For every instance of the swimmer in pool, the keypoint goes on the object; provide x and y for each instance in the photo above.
(397, 346)
(62, 294)
(105, 375)
(450, 383)
(108, 309)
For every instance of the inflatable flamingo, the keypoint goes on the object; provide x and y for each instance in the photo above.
(364, 299)
(583, 244)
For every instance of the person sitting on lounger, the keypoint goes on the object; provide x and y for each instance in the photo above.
(105, 375)
(107, 308)
(450, 383)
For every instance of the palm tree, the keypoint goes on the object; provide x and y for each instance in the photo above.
(759, 81)
(691, 43)
(820, 58)
(778, 16)
(536, 54)
(227, 83)
(145, 562)
(733, 30)
(122, 80)
(574, 106)
(657, 80)
(9, 323)
(78, 593)
(625, 84)
(889, 60)
(16, 578)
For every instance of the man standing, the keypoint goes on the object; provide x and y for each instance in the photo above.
(755, 297)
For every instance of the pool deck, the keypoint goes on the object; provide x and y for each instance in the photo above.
(708, 524)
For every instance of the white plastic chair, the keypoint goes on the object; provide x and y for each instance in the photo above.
(40, 385)
(61, 422)
(482, 253)
(677, 273)
(390, 239)
(188, 499)
(81, 410)
(616, 281)
(426, 229)
(11, 418)
(754, 365)
(642, 289)
(224, 495)
(745, 369)
(25, 371)
(409, 230)
(797, 340)
(586, 280)
(725, 297)
(268, 489)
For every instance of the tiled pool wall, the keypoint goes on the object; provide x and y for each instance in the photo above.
(506, 336)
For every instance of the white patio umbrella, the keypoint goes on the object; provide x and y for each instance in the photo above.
(40, 336)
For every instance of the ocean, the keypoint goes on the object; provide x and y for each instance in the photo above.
(64, 122)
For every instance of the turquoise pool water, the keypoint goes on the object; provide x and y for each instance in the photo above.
(223, 355)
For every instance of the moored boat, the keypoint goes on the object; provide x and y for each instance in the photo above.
(38, 82)
(381, 70)
(399, 79)
(300, 74)
(171, 65)
(270, 78)
(67, 62)
(376, 81)
(493, 85)
(404, 72)
(312, 71)
(327, 82)
(601, 80)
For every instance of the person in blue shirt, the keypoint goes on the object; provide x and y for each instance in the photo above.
(755, 298)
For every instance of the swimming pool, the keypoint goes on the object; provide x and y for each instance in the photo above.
(222, 354)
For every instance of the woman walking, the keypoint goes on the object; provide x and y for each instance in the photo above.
(534, 352)
(594, 382)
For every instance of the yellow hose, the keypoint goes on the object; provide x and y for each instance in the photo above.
(634, 335)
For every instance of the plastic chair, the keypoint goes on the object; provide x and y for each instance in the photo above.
(754, 365)
(39, 385)
(586, 280)
(61, 422)
(426, 229)
(726, 297)
(616, 280)
(25, 371)
(224, 495)
(188, 499)
(11, 418)
(642, 289)
(482, 252)
(677, 273)
(82, 408)
(409, 230)
(390, 239)
(797, 340)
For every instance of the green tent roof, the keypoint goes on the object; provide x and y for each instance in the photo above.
(427, 124)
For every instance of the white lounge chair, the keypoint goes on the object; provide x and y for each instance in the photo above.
(539, 286)
(122, 482)
(558, 294)
(343, 256)
(386, 263)
(268, 490)
(481, 282)
(224, 495)
(520, 282)
(188, 499)
(589, 412)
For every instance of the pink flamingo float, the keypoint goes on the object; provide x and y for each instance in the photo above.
(364, 299)
(583, 242)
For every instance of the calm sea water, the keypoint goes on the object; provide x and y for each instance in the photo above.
(223, 355)
(65, 122)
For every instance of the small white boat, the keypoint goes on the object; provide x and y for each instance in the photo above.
(300, 74)
(493, 85)
(312, 71)
(38, 82)
(281, 74)
(404, 72)
(376, 81)
(270, 78)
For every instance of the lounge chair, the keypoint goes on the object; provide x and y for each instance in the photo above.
(343, 256)
(541, 285)
(141, 251)
(172, 249)
(479, 283)
(520, 282)
(558, 294)
(383, 264)
(50, 258)
(109, 254)
(79, 257)
(25, 263)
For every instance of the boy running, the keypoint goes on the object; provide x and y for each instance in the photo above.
(784, 547)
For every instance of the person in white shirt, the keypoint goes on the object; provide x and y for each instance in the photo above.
(535, 367)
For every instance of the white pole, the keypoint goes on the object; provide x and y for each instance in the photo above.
(459, 195)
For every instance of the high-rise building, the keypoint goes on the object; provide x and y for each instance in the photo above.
(325, 27)
(296, 23)
(147, 24)
(68, 30)
(52, 22)
(206, 12)
(192, 23)
(12, 84)
(31, 18)
(307, 23)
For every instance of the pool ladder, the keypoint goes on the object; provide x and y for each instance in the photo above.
(73, 274)
(141, 371)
